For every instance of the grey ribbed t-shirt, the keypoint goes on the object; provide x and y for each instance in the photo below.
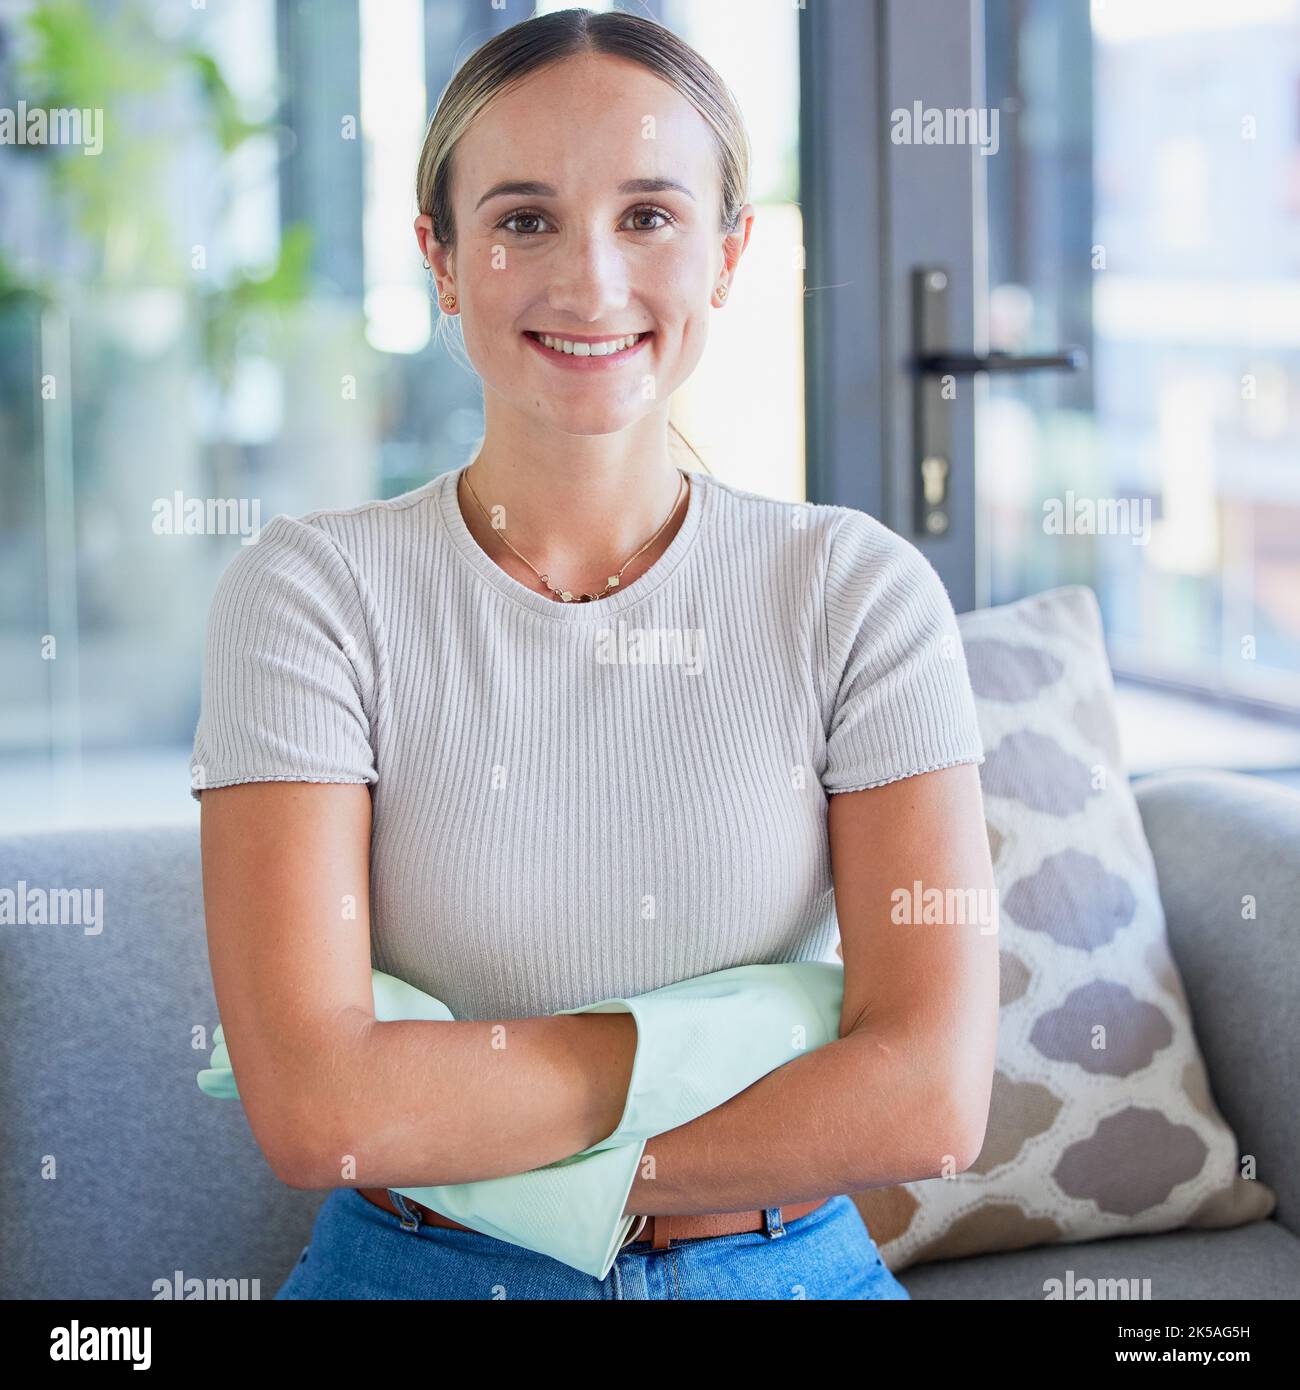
(574, 802)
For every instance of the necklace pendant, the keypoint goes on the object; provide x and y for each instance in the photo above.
(565, 596)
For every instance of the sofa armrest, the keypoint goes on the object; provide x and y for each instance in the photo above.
(1220, 839)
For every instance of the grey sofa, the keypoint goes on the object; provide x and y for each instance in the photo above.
(118, 1172)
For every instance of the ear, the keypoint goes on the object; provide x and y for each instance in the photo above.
(424, 235)
(438, 256)
(734, 243)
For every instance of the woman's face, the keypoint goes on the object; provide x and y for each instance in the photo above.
(587, 252)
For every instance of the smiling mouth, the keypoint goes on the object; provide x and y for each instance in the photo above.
(611, 347)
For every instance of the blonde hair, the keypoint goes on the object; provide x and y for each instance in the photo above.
(524, 48)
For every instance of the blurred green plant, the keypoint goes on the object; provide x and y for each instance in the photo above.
(112, 60)
(229, 311)
(19, 292)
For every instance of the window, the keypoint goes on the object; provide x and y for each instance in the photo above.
(228, 305)
(1149, 210)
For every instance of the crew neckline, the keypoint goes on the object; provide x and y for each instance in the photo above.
(487, 569)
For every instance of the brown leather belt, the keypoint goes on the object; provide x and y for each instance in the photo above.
(662, 1229)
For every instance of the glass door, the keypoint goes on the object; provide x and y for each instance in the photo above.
(897, 150)
(1051, 316)
(1146, 202)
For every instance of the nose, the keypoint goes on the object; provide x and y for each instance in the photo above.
(589, 277)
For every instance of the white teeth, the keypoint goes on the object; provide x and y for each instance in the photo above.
(589, 349)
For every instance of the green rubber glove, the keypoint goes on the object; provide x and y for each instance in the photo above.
(699, 1042)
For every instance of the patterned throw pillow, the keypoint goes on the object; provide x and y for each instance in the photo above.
(1101, 1121)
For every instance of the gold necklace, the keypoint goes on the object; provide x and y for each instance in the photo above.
(564, 595)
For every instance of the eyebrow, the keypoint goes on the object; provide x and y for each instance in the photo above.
(530, 188)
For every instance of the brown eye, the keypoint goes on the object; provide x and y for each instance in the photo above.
(654, 212)
(522, 216)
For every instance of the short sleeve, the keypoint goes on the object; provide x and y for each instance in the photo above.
(288, 672)
(899, 692)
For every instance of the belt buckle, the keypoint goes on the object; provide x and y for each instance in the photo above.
(634, 1232)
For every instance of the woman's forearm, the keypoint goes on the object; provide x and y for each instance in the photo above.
(860, 1112)
(418, 1103)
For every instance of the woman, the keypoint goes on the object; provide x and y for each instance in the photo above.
(567, 724)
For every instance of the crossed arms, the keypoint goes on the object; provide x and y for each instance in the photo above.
(335, 1098)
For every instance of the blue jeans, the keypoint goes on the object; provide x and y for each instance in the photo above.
(359, 1250)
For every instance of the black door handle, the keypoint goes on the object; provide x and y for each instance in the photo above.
(1070, 359)
(932, 363)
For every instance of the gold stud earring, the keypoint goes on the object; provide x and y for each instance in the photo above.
(449, 300)
(722, 291)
